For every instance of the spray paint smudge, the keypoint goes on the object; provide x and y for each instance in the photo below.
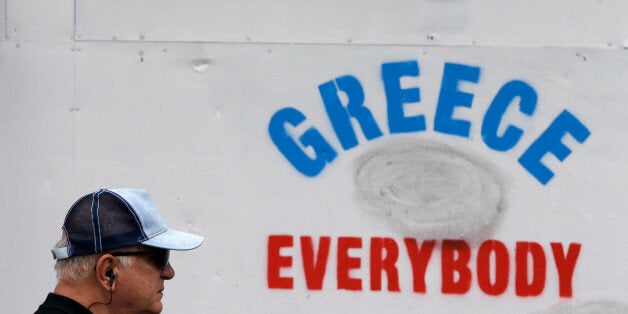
(590, 307)
(429, 189)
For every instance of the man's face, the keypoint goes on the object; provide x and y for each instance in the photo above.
(139, 287)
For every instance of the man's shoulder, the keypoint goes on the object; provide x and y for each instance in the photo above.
(58, 304)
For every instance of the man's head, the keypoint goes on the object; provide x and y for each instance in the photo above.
(115, 242)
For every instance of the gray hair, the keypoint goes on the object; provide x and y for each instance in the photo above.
(75, 269)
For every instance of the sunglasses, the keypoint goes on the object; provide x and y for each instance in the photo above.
(158, 257)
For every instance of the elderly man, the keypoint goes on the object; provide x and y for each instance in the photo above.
(113, 255)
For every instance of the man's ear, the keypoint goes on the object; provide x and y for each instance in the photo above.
(106, 270)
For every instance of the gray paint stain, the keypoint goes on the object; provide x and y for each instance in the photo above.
(430, 190)
(590, 307)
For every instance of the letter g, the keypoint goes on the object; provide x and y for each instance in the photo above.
(323, 152)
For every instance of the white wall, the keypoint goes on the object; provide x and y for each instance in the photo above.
(176, 98)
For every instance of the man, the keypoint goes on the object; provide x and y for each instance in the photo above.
(113, 255)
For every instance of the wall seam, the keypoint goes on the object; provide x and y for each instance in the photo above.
(6, 18)
(260, 43)
(74, 22)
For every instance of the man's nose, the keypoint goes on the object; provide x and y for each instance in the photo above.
(168, 272)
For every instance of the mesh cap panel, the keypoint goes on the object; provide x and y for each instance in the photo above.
(99, 222)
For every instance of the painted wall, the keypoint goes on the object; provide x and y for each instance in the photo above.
(188, 100)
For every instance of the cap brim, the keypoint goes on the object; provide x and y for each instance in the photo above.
(175, 240)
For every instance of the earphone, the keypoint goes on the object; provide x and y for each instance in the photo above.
(111, 276)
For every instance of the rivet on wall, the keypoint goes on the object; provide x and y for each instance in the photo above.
(582, 56)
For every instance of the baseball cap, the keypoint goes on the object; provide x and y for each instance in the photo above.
(109, 219)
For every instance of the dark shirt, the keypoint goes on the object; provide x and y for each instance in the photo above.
(58, 304)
